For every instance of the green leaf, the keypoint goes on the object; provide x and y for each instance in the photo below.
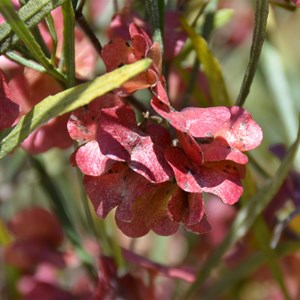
(211, 67)
(67, 101)
(32, 13)
(261, 17)
(20, 28)
(25, 62)
(50, 24)
(246, 217)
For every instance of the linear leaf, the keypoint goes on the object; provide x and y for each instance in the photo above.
(31, 13)
(67, 101)
(29, 40)
(25, 62)
(52, 32)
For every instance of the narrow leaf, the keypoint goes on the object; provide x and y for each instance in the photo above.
(211, 67)
(25, 62)
(31, 13)
(51, 27)
(246, 217)
(27, 38)
(67, 101)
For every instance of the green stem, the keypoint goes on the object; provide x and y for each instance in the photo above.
(261, 17)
